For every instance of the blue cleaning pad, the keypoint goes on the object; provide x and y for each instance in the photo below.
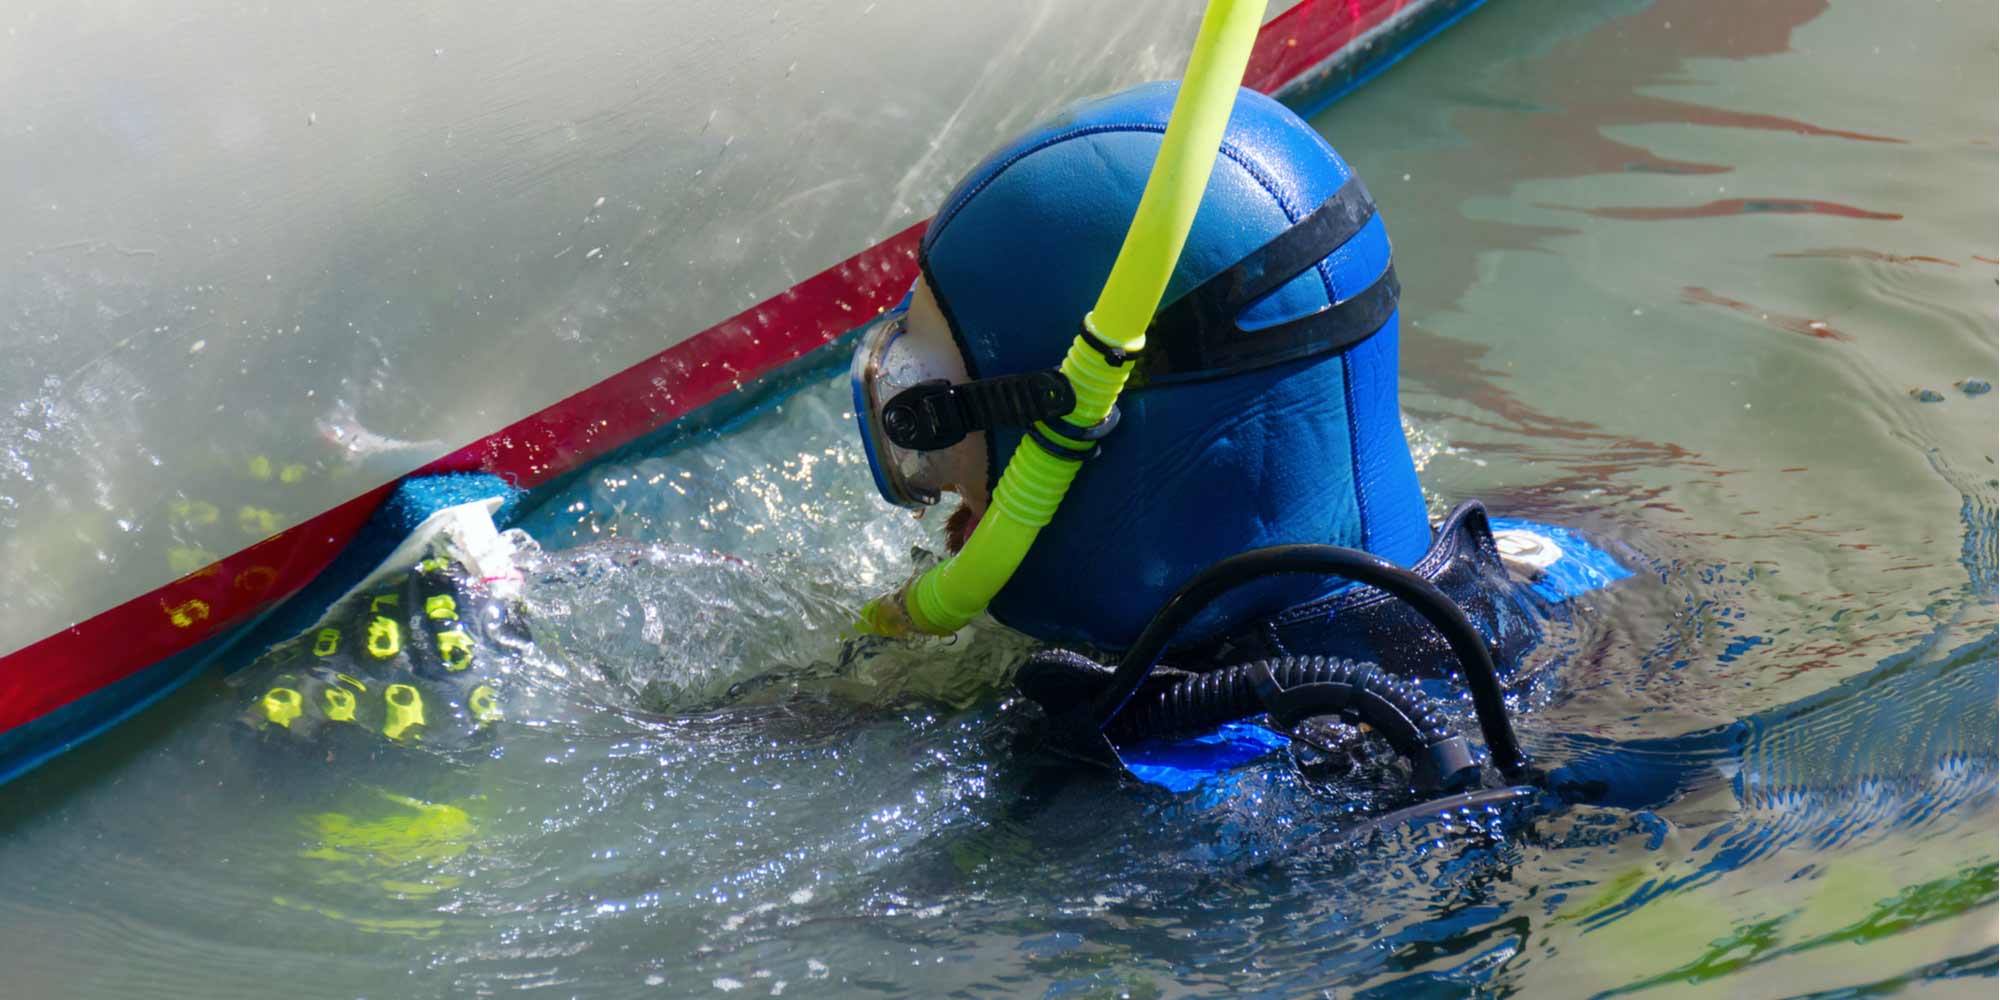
(419, 497)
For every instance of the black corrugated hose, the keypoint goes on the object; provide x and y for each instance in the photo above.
(1290, 690)
(1475, 660)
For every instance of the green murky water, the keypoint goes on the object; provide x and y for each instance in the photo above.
(1711, 279)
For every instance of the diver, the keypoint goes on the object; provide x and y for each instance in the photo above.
(1262, 411)
(1244, 505)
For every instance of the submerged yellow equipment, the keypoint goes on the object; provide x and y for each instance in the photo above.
(951, 594)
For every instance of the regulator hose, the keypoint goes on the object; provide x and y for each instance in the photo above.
(1444, 614)
(1294, 688)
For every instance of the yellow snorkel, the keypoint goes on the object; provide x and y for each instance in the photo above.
(951, 594)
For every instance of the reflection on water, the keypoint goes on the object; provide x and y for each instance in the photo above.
(1714, 282)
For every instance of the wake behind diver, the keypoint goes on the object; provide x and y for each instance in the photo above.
(1247, 512)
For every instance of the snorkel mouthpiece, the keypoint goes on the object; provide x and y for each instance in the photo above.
(951, 594)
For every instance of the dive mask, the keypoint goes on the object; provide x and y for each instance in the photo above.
(919, 411)
(889, 360)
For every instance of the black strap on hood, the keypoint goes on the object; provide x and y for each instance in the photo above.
(1200, 335)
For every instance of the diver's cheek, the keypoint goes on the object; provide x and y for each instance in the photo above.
(959, 528)
(964, 473)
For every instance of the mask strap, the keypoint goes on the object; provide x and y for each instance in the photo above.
(1200, 336)
(936, 414)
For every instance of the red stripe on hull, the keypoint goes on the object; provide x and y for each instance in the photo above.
(38, 679)
(1300, 39)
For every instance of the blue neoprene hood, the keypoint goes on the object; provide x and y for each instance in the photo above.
(1309, 451)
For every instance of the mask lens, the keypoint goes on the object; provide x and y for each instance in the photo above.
(887, 361)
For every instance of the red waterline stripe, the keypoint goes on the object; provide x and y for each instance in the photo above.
(1299, 40)
(46, 675)
(40, 678)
